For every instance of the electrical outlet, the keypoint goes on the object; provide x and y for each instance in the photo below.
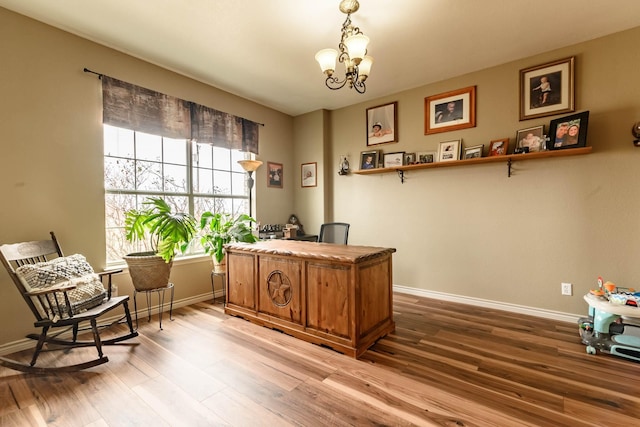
(566, 288)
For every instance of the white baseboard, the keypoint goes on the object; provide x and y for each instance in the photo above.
(26, 343)
(514, 308)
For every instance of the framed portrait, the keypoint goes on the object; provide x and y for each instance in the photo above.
(382, 124)
(426, 157)
(450, 111)
(530, 140)
(498, 147)
(409, 158)
(569, 131)
(474, 152)
(449, 150)
(392, 160)
(547, 89)
(274, 175)
(309, 174)
(369, 159)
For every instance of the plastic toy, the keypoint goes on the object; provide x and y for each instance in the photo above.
(613, 325)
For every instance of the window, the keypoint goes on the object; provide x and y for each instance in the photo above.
(192, 177)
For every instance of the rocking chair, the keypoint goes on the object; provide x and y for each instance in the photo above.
(63, 293)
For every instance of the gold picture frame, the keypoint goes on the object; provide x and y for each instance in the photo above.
(450, 111)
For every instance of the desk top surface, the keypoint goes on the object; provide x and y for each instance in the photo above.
(328, 251)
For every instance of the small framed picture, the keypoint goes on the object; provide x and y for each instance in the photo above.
(498, 147)
(274, 175)
(450, 111)
(530, 140)
(409, 158)
(474, 152)
(569, 131)
(309, 172)
(369, 159)
(426, 157)
(392, 160)
(449, 150)
(382, 124)
(547, 89)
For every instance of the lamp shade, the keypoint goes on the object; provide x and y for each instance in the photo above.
(365, 66)
(327, 59)
(250, 165)
(357, 47)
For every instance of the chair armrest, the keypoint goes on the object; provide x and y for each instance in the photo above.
(108, 275)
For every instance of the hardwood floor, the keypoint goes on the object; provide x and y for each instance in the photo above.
(446, 364)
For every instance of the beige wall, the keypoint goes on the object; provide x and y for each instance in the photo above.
(467, 231)
(51, 166)
(471, 230)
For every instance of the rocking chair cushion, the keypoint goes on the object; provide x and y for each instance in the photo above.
(75, 270)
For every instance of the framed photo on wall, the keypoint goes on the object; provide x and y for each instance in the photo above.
(426, 157)
(498, 147)
(369, 159)
(474, 152)
(569, 131)
(274, 175)
(449, 150)
(547, 89)
(382, 124)
(530, 140)
(392, 160)
(450, 111)
(309, 174)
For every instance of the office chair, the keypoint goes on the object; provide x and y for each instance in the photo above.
(334, 232)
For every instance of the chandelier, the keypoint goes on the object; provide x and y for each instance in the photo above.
(353, 53)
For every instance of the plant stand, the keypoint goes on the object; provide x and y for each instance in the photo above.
(223, 275)
(160, 292)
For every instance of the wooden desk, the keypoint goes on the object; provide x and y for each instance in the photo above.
(334, 295)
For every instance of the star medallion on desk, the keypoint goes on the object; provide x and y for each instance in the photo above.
(279, 288)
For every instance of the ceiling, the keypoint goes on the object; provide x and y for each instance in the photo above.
(263, 50)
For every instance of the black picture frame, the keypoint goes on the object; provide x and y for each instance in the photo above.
(365, 163)
(558, 96)
(382, 124)
(561, 135)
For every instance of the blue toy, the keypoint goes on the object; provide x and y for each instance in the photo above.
(613, 325)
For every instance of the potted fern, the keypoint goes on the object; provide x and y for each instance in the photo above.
(218, 229)
(166, 231)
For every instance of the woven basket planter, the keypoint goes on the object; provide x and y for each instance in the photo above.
(148, 271)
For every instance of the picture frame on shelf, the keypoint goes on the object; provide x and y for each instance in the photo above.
(547, 89)
(423, 157)
(530, 140)
(409, 158)
(569, 131)
(449, 150)
(449, 111)
(308, 174)
(498, 147)
(474, 152)
(274, 175)
(369, 159)
(382, 124)
(392, 160)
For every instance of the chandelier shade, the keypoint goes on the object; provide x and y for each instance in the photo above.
(353, 54)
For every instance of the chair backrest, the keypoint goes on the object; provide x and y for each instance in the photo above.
(14, 255)
(334, 232)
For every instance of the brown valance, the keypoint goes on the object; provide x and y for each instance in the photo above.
(133, 107)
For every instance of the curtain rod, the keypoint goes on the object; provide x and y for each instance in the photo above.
(86, 70)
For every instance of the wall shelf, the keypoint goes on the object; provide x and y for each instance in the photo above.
(508, 159)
